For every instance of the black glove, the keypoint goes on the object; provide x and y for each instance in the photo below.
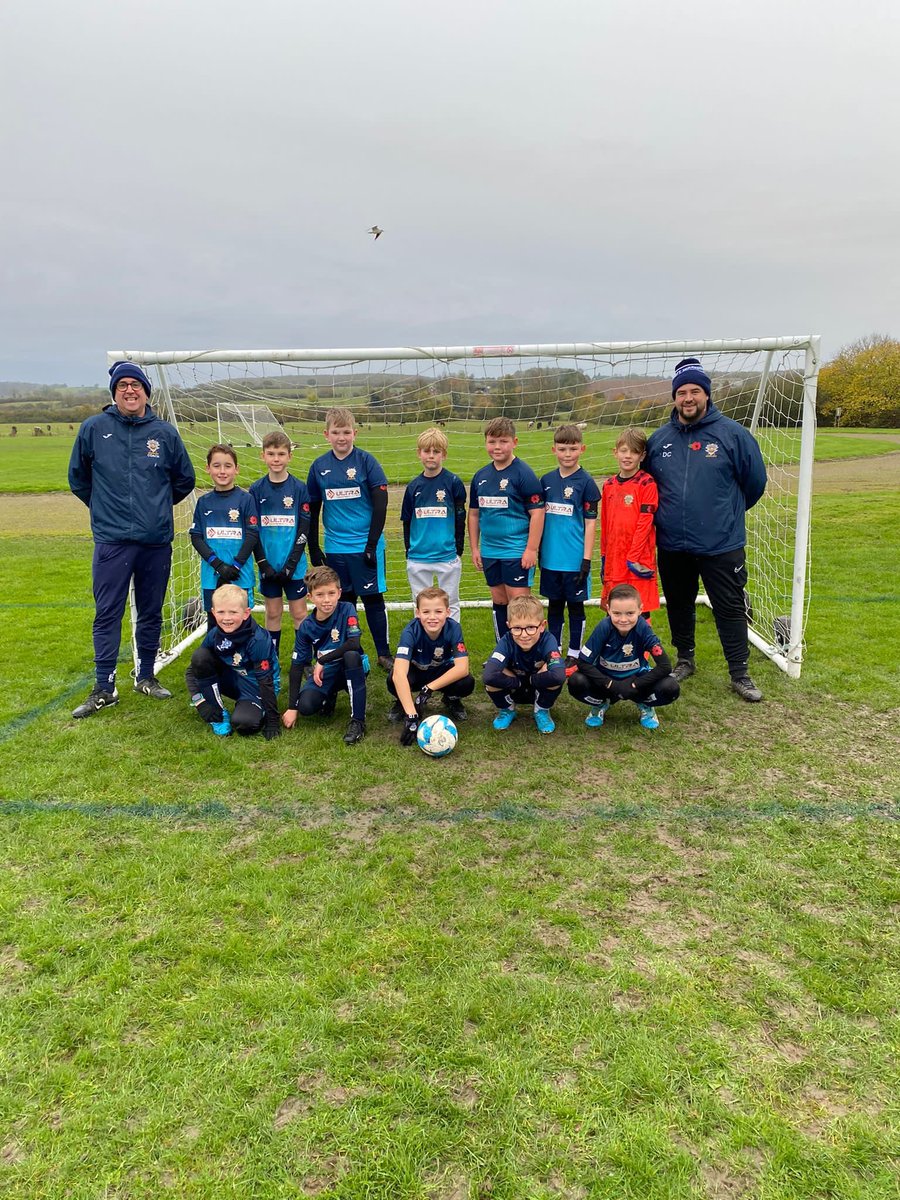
(272, 727)
(422, 699)
(585, 571)
(410, 729)
(316, 557)
(369, 557)
(282, 578)
(227, 572)
(622, 689)
(266, 570)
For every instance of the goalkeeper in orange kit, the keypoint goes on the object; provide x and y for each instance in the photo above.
(627, 531)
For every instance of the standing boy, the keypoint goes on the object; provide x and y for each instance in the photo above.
(526, 666)
(433, 516)
(236, 659)
(627, 530)
(282, 502)
(349, 488)
(506, 520)
(570, 527)
(330, 636)
(431, 657)
(614, 663)
(225, 528)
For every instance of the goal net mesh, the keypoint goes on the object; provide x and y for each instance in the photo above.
(767, 386)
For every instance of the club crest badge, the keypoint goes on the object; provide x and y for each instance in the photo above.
(567, 492)
(441, 494)
(628, 499)
(351, 472)
(233, 514)
(712, 449)
(335, 636)
(503, 484)
(238, 658)
(152, 448)
(288, 501)
(439, 652)
(628, 648)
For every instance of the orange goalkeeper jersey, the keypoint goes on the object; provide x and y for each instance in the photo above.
(628, 534)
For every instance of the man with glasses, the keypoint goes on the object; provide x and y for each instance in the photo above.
(130, 468)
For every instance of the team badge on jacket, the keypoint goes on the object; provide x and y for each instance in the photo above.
(712, 449)
(152, 448)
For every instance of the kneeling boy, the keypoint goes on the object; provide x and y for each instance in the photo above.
(431, 657)
(330, 635)
(614, 666)
(526, 666)
(236, 659)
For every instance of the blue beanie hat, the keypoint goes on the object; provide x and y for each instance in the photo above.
(127, 370)
(690, 371)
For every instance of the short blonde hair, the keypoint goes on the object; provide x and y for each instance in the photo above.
(635, 439)
(230, 591)
(340, 418)
(433, 593)
(522, 607)
(432, 439)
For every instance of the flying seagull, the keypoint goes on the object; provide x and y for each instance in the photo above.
(375, 231)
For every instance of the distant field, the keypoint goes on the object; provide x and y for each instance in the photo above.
(39, 464)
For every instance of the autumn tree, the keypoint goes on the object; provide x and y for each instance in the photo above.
(864, 383)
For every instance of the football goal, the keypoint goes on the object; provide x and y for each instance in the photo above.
(767, 384)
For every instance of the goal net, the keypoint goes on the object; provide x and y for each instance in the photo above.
(767, 384)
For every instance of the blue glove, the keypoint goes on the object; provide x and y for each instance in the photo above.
(641, 572)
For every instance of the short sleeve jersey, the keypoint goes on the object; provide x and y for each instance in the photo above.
(343, 487)
(249, 651)
(280, 505)
(424, 652)
(315, 637)
(568, 502)
(504, 499)
(621, 654)
(429, 505)
(222, 519)
(524, 663)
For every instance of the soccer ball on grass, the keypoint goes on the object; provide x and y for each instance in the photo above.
(437, 736)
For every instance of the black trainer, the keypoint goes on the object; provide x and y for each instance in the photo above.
(356, 731)
(455, 709)
(396, 713)
(684, 669)
(747, 689)
(152, 687)
(96, 700)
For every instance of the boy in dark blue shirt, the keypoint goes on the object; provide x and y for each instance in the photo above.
(614, 663)
(330, 636)
(349, 488)
(506, 519)
(526, 666)
(431, 657)
(225, 528)
(571, 498)
(433, 516)
(282, 502)
(236, 659)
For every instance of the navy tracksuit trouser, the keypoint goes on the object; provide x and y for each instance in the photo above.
(115, 564)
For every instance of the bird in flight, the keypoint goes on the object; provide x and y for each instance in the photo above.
(375, 231)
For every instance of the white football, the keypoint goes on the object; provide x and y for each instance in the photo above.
(437, 736)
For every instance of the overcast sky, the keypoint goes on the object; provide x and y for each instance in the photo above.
(189, 174)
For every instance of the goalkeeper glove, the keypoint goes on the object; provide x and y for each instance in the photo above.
(282, 578)
(410, 729)
(585, 571)
(272, 727)
(228, 572)
(421, 701)
(369, 557)
(622, 689)
(639, 570)
(266, 570)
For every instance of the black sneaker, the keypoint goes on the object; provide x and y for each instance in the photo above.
(327, 709)
(356, 731)
(386, 662)
(396, 713)
(152, 687)
(455, 709)
(684, 669)
(96, 700)
(746, 689)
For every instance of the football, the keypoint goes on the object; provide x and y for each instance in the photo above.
(437, 736)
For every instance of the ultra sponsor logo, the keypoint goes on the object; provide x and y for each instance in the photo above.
(493, 501)
(345, 493)
(434, 510)
(279, 520)
(558, 509)
(228, 532)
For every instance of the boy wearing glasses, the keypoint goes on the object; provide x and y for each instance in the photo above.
(526, 666)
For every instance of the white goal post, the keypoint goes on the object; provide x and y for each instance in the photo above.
(767, 384)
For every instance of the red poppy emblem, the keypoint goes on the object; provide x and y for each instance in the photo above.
(352, 622)
(305, 507)
(695, 445)
(535, 499)
(461, 647)
(253, 520)
(656, 651)
(264, 665)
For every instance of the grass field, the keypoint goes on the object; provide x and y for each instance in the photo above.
(603, 964)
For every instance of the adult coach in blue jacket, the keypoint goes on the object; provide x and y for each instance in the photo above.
(708, 470)
(130, 467)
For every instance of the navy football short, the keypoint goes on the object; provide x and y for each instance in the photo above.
(565, 585)
(506, 571)
(294, 589)
(356, 576)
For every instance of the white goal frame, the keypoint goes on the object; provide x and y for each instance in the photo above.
(247, 416)
(784, 648)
